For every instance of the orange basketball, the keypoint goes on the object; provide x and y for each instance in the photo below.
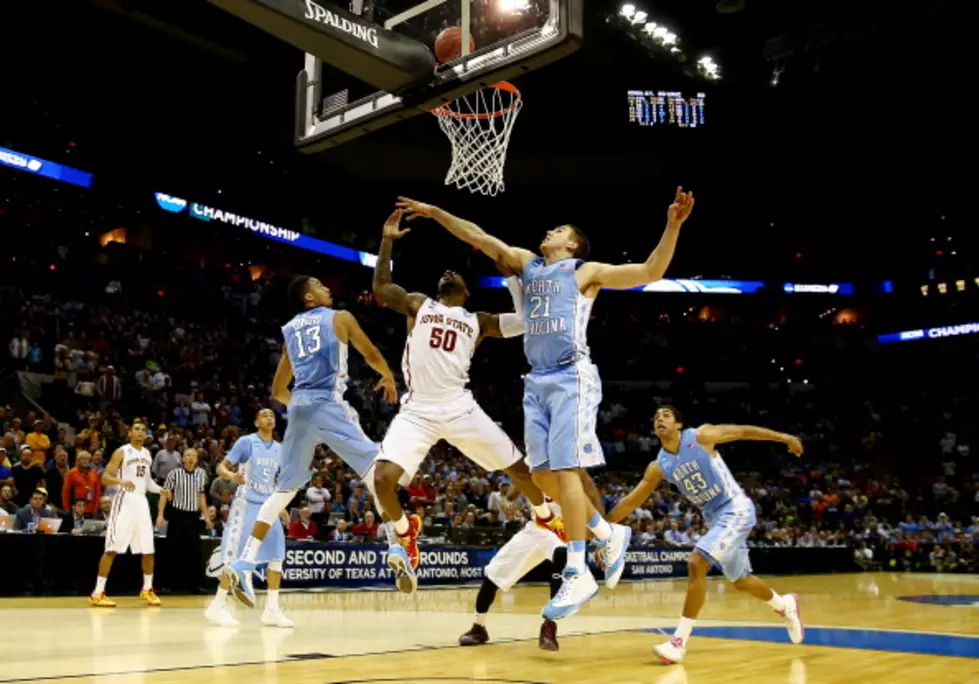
(448, 45)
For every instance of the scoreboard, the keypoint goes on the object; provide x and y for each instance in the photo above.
(666, 108)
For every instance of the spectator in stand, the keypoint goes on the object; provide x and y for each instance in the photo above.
(304, 528)
(6, 469)
(29, 516)
(17, 432)
(181, 414)
(353, 514)
(200, 411)
(18, 348)
(166, 459)
(7, 500)
(105, 508)
(10, 445)
(39, 442)
(340, 534)
(222, 491)
(234, 412)
(675, 536)
(28, 476)
(98, 462)
(108, 388)
(367, 529)
(74, 518)
(82, 483)
(55, 474)
(318, 497)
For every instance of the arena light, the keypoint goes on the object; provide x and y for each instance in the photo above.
(514, 5)
(639, 17)
(650, 27)
(628, 11)
(660, 32)
(670, 38)
(709, 68)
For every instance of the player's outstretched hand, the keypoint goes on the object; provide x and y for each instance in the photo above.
(795, 445)
(389, 388)
(392, 227)
(413, 209)
(680, 210)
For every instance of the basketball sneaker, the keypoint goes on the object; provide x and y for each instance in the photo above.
(793, 618)
(613, 554)
(409, 540)
(547, 641)
(476, 636)
(400, 564)
(220, 614)
(151, 598)
(577, 588)
(239, 574)
(276, 618)
(101, 601)
(553, 524)
(671, 652)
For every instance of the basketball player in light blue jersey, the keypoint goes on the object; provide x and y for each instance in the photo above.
(689, 460)
(562, 392)
(258, 458)
(315, 356)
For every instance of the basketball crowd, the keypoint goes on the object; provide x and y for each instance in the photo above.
(883, 474)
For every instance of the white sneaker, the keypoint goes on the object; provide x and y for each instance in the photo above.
(219, 614)
(793, 618)
(613, 554)
(576, 589)
(276, 618)
(671, 652)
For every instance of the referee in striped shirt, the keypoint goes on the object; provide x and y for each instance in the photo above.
(184, 505)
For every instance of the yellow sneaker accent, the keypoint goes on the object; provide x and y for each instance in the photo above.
(101, 601)
(150, 597)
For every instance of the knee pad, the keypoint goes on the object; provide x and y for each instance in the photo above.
(273, 506)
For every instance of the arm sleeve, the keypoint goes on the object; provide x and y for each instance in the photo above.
(151, 486)
(511, 325)
(515, 286)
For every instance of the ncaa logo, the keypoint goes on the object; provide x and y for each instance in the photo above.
(174, 205)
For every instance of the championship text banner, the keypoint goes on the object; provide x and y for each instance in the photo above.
(312, 565)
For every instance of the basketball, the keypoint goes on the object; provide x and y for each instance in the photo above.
(448, 45)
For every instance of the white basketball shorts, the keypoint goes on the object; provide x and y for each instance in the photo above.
(527, 549)
(130, 525)
(459, 421)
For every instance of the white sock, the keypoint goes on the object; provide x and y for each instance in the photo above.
(481, 619)
(272, 600)
(599, 527)
(401, 525)
(776, 602)
(543, 511)
(100, 585)
(250, 553)
(576, 556)
(147, 581)
(684, 628)
(390, 534)
(221, 597)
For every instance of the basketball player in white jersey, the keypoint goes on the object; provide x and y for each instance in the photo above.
(130, 525)
(442, 336)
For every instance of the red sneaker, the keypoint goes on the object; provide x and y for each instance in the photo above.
(409, 540)
(476, 636)
(553, 524)
(547, 640)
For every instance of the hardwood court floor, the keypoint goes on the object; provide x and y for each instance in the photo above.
(858, 630)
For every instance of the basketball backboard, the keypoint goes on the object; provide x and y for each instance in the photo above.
(510, 37)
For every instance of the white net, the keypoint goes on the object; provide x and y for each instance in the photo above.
(479, 126)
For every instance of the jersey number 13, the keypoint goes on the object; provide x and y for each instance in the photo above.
(307, 341)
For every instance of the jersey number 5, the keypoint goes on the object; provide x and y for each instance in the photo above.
(443, 339)
(307, 341)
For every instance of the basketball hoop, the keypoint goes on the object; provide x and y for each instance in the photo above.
(479, 125)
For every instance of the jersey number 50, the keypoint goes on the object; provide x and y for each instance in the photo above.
(443, 339)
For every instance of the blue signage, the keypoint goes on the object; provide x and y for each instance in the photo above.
(812, 288)
(169, 203)
(666, 285)
(930, 333)
(43, 167)
(203, 212)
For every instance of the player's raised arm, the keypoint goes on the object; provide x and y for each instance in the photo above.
(385, 290)
(283, 376)
(349, 330)
(110, 478)
(514, 257)
(638, 496)
(710, 436)
(508, 324)
(628, 276)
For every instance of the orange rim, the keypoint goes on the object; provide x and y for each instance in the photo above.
(444, 110)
